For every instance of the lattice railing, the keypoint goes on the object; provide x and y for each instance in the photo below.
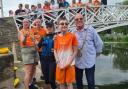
(100, 17)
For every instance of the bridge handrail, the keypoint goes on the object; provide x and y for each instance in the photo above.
(94, 15)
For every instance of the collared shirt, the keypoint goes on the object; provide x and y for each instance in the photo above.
(93, 44)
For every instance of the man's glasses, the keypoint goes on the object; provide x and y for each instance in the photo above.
(63, 24)
(77, 19)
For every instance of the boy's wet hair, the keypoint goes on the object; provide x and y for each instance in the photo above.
(49, 24)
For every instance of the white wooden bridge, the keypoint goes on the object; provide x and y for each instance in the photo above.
(102, 18)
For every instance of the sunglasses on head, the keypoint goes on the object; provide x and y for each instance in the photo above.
(77, 19)
(63, 23)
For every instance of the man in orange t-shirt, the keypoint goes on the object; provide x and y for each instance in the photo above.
(65, 49)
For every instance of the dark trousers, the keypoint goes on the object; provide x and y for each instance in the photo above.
(49, 69)
(89, 72)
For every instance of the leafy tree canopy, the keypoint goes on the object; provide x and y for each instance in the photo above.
(125, 2)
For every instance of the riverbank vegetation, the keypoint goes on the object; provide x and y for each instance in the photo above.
(119, 34)
(114, 38)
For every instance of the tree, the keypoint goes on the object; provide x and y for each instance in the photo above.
(125, 2)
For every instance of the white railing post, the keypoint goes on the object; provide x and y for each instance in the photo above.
(43, 19)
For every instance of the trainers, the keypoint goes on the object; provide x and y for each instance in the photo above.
(42, 77)
(33, 87)
(34, 81)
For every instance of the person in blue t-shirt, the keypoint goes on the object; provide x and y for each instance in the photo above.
(66, 4)
(47, 57)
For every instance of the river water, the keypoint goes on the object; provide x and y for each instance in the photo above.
(112, 67)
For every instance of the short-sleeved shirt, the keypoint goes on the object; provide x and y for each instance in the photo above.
(19, 12)
(38, 34)
(46, 7)
(64, 47)
(66, 4)
(79, 4)
(93, 44)
(74, 4)
(29, 40)
(47, 44)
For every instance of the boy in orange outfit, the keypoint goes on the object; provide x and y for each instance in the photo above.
(65, 49)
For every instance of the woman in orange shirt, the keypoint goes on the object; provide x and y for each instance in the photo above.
(38, 32)
(65, 49)
(29, 53)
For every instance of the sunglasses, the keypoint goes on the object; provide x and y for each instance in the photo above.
(77, 19)
(63, 24)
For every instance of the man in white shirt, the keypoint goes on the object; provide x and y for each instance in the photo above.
(90, 44)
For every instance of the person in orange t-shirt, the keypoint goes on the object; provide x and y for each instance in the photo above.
(97, 4)
(46, 6)
(29, 54)
(38, 32)
(65, 50)
(79, 3)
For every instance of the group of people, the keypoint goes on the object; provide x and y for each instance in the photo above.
(63, 56)
(50, 5)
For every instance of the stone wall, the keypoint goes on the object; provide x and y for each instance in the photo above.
(8, 31)
(9, 34)
(6, 71)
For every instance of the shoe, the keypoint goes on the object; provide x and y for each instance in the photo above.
(42, 77)
(34, 81)
(33, 87)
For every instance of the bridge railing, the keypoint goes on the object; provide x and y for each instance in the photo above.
(99, 16)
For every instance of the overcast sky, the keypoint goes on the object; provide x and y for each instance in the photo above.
(13, 4)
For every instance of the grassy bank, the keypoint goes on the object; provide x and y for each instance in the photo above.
(114, 38)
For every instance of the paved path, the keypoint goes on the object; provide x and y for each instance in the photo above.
(20, 74)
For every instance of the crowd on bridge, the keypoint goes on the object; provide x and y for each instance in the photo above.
(50, 5)
(63, 56)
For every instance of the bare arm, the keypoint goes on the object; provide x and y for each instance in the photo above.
(22, 37)
(56, 56)
(75, 49)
